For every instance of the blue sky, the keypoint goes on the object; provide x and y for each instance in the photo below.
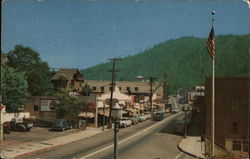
(81, 33)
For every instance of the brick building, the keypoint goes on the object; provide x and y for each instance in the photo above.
(231, 115)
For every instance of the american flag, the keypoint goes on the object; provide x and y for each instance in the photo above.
(210, 43)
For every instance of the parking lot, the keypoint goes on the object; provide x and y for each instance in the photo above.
(36, 134)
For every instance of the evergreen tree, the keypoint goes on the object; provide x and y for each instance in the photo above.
(14, 88)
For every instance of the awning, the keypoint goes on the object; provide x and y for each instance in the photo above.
(89, 115)
(107, 113)
(123, 112)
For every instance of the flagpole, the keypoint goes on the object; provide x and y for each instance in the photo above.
(213, 96)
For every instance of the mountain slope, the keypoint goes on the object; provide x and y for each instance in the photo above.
(185, 61)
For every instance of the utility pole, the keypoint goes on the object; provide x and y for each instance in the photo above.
(103, 118)
(112, 90)
(151, 93)
(165, 86)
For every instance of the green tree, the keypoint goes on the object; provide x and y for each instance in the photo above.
(67, 107)
(38, 73)
(14, 88)
(86, 90)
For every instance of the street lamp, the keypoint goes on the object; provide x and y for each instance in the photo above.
(116, 114)
(185, 121)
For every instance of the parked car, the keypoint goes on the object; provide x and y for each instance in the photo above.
(125, 122)
(17, 124)
(142, 117)
(158, 116)
(175, 110)
(134, 119)
(147, 115)
(61, 124)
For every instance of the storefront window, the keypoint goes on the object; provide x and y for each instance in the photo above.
(245, 146)
(236, 146)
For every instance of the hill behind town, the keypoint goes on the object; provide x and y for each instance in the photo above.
(185, 61)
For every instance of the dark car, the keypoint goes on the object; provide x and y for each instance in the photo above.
(18, 124)
(61, 124)
(158, 116)
(183, 101)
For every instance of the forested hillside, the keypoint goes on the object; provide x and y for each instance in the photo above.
(185, 61)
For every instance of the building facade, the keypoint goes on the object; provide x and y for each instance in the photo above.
(231, 115)
(68, 78)
(128, 87)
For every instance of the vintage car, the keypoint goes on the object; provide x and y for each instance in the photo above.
(125, 122)
(61, 124)
(18, 124)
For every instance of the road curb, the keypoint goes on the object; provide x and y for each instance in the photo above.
(190, 154)
(37, 151)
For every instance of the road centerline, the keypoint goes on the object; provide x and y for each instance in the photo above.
(130, 137)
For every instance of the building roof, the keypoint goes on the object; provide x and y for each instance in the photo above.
(68, 73)
(139, 77)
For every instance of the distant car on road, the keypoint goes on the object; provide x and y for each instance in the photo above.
(175, 110)
(61, 124)
(158, 116)
(183, 101)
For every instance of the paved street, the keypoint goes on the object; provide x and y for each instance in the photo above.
(149, 140)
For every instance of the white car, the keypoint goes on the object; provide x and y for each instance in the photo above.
(147, 115)
(125, 122)
(175, 110)
(142, 117)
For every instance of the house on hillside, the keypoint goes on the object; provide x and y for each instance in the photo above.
(68, 78)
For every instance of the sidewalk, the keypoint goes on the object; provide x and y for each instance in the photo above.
(20, 150)
(192, 144)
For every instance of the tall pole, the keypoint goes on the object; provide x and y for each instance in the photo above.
(103, 119)
(213, 96)
(151, 94)
(1, 99)
(1, 127)
(112, 90)
(116, 140)
(165, 86)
